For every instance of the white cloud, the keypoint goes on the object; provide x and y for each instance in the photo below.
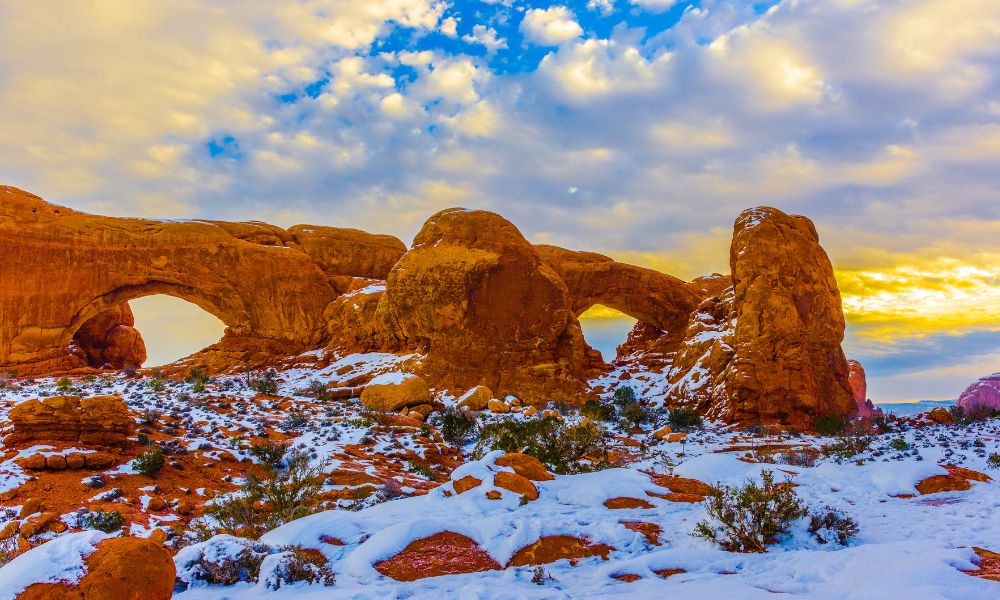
(485, 36)
(449, 27)
(654, 6)
(605, 7)
(550, 26)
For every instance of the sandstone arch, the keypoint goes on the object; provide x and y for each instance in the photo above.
(60, 268)
(654, 298)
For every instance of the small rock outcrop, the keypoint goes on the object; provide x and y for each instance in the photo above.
(94, 421)
(983, 393)
(111, 341)
(395, 391)
(859, 388)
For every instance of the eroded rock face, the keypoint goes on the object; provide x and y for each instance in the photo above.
(395, 391)
(859, 388)
(94, 421)
(982, 393)
(348, 253)
(444, 553)
(475, 296)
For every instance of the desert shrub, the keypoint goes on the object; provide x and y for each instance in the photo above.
(634, 414)
(830, 425)
(833, 527)
(598, 410)
(853, 440)
(457, 426)
(295, 419)
(8, 548)
(301, 564)
(264, 383)
(64, 385)
(683, 418)
(149, 463)
(197, 378)
(269, 452)
(993, 461)
(421, 469)
(272, 496)
(108, 521)
(157, 383)
(899, 444)
(316, 389)
(747, 518)
(150, 417)
(624, 395)
(562, 448)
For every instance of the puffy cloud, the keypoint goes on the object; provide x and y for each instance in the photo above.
(485, 36)
(550, 26)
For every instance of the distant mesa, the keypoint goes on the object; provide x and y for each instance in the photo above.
(478, 302)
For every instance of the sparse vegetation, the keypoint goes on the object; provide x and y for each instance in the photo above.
(973, 414)
(457, 426)
(198, 379)
(899, 444)
(269, 452)
(562, 448)
(103, 520)
(854, 439)
(830, 425)
(747, 518)
(157, 383)
(273, 495)
(150, 462)
(993, 461)
(683, 418)
(264, 383)
(228, 569)
(64, 385)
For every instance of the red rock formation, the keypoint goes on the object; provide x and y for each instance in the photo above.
(788, 365)
(60, 268)
(96, 421)
(983, 393)
(475, 297)
(859, 388)
(551, 548)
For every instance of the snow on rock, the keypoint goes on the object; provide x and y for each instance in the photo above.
(61, 559)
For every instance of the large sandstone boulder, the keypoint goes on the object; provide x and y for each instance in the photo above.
(111, 341)
(95, 421)
(476, 298)
(392, 392)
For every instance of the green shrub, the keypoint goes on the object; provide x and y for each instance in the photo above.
(316, 389)
(973, 414)
(157, 383)
(149, 463)
(633, 415)
(899, 444)
(272, 496)
(457, 426)
(830, 425)
(301, 564)
(854, 439)
(833, 527)
(598, 410)
(993, 461)
(269, 452)
(747, 518)
(683, 418)
(561, 448)
(64, 385)
(198, 379)
(104, 520)
(265, 383)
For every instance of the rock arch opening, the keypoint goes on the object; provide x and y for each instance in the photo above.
(173, 328)
(605, 329)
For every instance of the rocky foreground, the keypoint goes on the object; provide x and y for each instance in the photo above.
(390, 508)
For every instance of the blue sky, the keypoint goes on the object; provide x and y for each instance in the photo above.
(636, 128)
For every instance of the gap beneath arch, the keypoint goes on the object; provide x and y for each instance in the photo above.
(173, 328)
(605, 329)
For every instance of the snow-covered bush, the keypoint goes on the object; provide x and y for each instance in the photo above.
(833, 527)
(221, 560)
(747, 518)
(296, 564)
(457, 426)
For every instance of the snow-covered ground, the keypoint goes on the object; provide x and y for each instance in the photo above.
(909, 545)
